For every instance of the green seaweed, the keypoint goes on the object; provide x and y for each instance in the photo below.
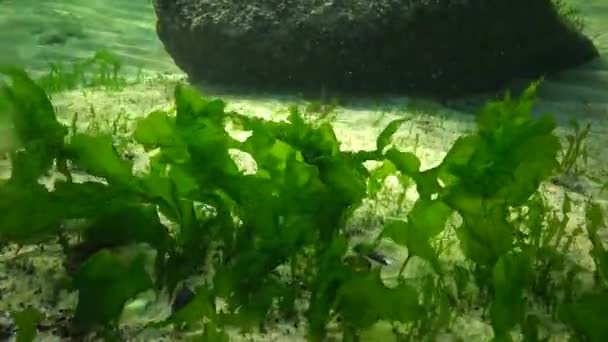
(575, 154)
(105, 282)
(276, 236)
(103, 69)
(26, 321)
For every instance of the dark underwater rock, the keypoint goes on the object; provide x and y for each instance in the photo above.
(430, 47)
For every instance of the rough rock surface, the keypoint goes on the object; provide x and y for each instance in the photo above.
(430, 47)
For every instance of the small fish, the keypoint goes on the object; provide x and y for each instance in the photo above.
(378, 257)
(372, 255)
(183, 297)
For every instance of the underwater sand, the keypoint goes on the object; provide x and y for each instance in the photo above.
(33, 32)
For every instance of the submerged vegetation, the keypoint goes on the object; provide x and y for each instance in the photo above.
(103, 69)
(272, 241)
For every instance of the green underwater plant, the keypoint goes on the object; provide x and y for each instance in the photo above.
(268, 240)
(103, 69)
(26, 321)
(574, 156)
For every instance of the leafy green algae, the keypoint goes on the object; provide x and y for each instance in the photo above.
(276, 236)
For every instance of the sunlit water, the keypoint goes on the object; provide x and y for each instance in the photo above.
(33, 32)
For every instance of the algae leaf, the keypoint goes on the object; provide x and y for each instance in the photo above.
(129, 224)
(429, 216)
(33, 119)
(34, 116)
(29, 213)
(587, 316)
(101, 199)
(406, 162)
(26, 321)
(156, 130)
(200, 125)
(595, 220)
(511, 277)
(425, 221)
(384, 139)
(97, 155)
(363, 299)
(484, 234)
(379, 174)
(501, 165)
(509, 155)
(105, 282)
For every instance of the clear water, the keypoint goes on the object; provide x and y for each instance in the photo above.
(30, 32)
